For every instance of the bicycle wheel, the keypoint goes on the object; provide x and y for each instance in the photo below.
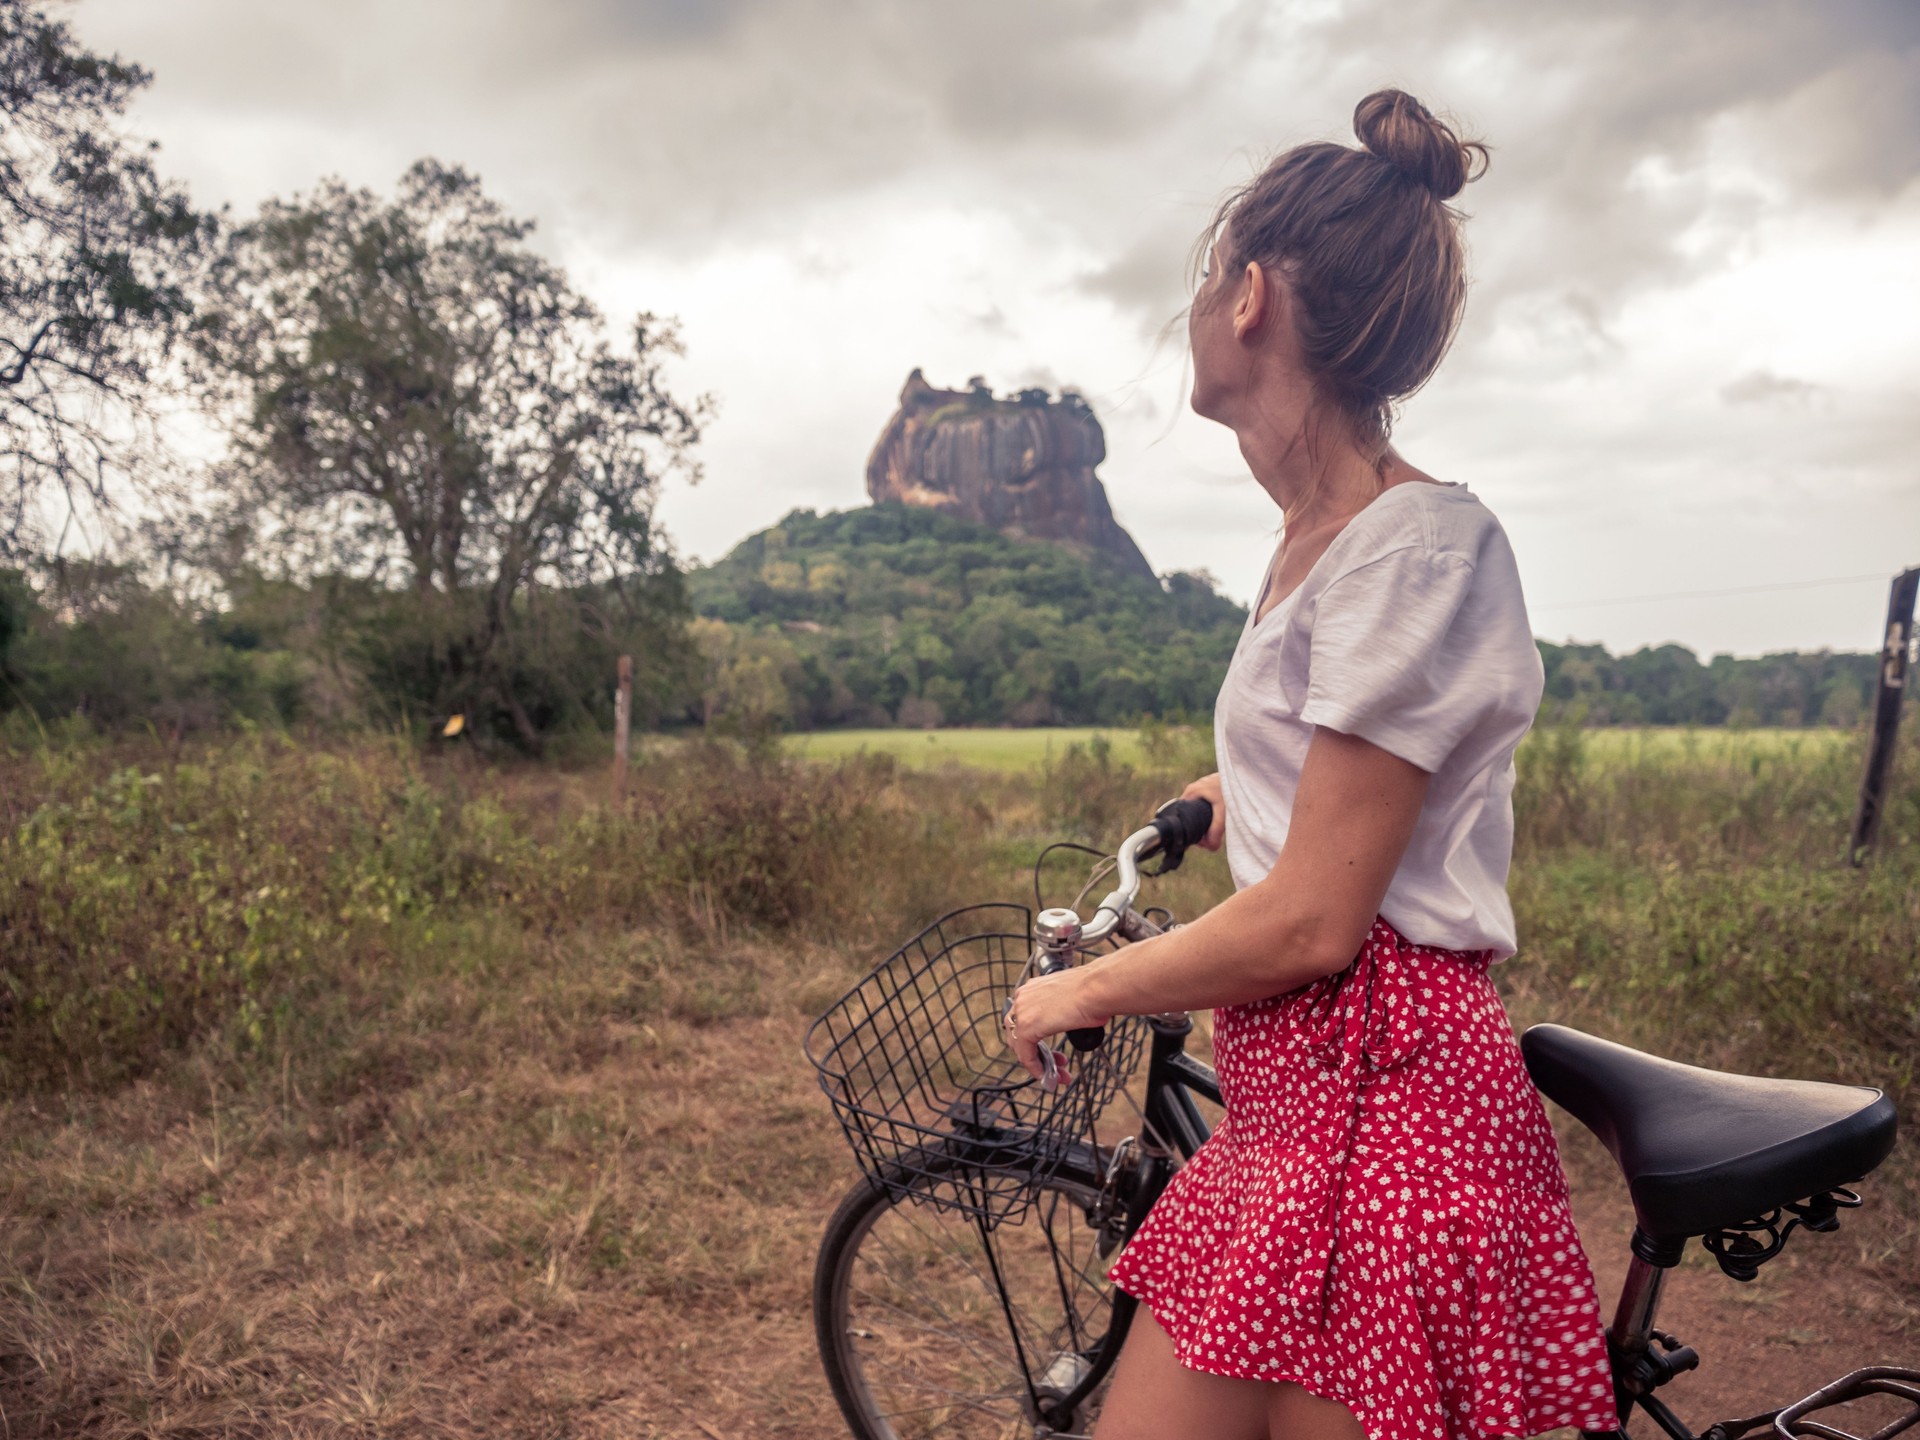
(913, 1332)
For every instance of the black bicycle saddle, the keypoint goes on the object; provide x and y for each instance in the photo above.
(1702, 1149)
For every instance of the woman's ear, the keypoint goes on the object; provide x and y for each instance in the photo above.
(1258, 299)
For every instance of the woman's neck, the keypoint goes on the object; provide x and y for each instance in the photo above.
(1311, 470)
(1317, 501)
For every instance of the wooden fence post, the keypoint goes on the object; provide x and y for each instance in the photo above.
(1888, 693)
(622, 725)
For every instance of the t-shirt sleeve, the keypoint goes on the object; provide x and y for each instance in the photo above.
(1391, 661)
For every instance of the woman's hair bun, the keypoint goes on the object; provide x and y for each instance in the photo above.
(1405, 134)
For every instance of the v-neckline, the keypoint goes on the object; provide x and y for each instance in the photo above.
(1255, 620)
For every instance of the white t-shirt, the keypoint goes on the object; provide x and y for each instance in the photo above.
(1410, 632)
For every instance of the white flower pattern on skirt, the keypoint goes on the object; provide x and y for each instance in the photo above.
(1382, 1217)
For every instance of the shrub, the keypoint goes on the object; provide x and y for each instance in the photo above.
(144, 903)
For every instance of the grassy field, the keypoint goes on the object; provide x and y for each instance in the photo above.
(1023, 749)
(347, 1092)
(1002, 750)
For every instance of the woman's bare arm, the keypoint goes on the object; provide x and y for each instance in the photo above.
(1353, 815)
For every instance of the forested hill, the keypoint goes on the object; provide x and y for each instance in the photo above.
(904, 615)
(901, 614)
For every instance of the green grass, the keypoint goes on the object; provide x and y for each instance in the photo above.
(1013, 749)
(1709, 744)
(998, 749)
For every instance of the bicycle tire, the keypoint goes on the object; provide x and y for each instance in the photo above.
(894, 1274)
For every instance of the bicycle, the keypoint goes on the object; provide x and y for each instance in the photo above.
(960, 1286)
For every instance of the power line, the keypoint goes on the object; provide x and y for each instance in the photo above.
(1713, 594)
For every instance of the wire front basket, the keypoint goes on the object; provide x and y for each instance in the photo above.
(932, 1101)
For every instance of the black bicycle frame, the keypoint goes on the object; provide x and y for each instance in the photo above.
(1173, 1079)
(1644, 1358)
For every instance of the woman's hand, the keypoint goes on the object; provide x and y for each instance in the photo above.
(1046, 1006)
(1207, 788)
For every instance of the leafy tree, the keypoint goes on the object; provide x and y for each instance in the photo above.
(749, 676)
(89, 639)
(1667, 685)
(414, 397)
(95, 255)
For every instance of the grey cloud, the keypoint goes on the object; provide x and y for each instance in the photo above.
(1146, 278)
(686, 122)
(1607, 122)
(1851, 132)
(1763, 387)
(992, 321)
(694, 119)
(655, 21)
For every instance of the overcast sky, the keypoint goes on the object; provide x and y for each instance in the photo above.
(1690, 361)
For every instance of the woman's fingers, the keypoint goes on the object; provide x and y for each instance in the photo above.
(1043, 1008)
(1026, 1048)
(1208, 788)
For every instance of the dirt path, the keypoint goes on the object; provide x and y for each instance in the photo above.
(609, 1235)
(739, 1371)
(1814, 1313)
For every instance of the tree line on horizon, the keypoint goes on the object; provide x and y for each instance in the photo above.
(877, 617)
(893, 615)
(437, 485)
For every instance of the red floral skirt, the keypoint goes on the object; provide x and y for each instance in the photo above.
(1382, 1218)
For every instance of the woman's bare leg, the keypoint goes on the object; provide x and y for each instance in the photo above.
(1155, 1397)
(1296, 1414)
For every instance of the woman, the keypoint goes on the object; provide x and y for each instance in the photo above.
(1376, 1241)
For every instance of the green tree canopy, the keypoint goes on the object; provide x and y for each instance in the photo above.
(1668, 685)
(897, 614)
(414, 397)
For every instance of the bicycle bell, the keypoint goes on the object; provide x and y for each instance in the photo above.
(1057, 929)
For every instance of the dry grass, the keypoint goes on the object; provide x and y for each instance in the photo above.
(546, 1161)
(508, 1230)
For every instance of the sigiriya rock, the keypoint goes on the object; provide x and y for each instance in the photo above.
(1023, 464)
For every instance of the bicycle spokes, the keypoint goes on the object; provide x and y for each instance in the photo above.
(959, 1338)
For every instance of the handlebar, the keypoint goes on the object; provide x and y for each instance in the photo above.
(1176, 826)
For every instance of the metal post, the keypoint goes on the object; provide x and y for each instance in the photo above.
(622, 724)
(1888, 694)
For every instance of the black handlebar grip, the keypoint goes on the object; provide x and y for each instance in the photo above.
(1181, 823)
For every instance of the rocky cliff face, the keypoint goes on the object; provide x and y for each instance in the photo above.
(1023, 465)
